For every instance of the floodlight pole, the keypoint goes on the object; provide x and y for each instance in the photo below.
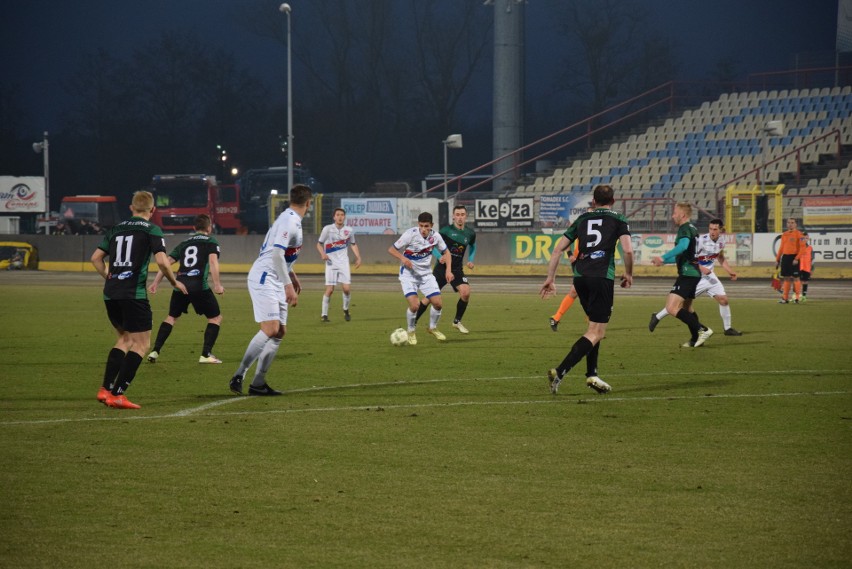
(452, 141)
(286, 9)
(42, 147)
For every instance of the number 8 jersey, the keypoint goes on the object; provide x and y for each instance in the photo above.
(193, 254)
(597, 234)
(129, 246)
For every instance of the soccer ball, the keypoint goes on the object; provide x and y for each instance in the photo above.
(399, 337)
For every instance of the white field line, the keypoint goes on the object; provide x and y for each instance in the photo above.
(199, 410)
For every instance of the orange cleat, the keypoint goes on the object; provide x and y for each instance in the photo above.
(120, 402)
(103, 393)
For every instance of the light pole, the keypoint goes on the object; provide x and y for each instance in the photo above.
(772, 129)
(285, 8)
(453, 141)
(42, 147)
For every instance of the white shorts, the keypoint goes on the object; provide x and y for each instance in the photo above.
(267, 297)
(411, 283)
(337, 273)
(710, 285)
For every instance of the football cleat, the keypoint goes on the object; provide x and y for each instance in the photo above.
(152, 357)
(653, 323)
(783, 301)
(262, 390)
(324, 319)
(236, 384)
(346, 315)
(103, 393)
(211, 359)
(553, 380)
(438, 335)
(554, 324)
(412, 339)
(120, 402)
(703, 336)
(461, 328)
(689, 344)
(733, 332)
(599, 385)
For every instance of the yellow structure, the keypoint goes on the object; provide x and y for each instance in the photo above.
(741, 208)
(313, 218)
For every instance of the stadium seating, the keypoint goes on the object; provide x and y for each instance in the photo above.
(691, 155)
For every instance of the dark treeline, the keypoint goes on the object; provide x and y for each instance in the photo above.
(377, 86)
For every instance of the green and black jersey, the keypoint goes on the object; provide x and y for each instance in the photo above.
(458, 241)
(597, 233)
(129, 246)
(687, 266)
(193, 256)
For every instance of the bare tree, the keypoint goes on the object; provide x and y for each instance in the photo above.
(619, 53)
(451, 48)
(375, 81)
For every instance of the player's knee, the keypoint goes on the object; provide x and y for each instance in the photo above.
(217, 320)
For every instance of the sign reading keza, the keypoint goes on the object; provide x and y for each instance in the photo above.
(505, 212)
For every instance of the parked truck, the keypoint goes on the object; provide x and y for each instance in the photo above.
(257, 185)
(241, 208)
(180, 198)
(88, 213)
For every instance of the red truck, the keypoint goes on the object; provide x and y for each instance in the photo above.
(180, 198)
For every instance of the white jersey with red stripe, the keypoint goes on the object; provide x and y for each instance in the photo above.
(418, 249)
(286, 234)
(336, 241)
(707, 251)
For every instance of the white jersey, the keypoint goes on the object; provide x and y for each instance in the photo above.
(336, 242)
(418, 249)
(707, 251)
(286, 234)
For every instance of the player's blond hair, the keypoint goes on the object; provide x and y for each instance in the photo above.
(143, 201)
(685, 207)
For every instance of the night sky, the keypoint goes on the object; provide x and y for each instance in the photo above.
(42, 42)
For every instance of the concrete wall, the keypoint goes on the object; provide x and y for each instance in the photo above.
(493, 256)
(72, 252)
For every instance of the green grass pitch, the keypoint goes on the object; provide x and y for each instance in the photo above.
(735, 454)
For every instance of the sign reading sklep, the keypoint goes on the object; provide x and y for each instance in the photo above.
(504, 212)
(21, 194)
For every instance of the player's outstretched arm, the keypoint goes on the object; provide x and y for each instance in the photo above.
(357, 255)
(213, 262)
(165, 267)
(99, 262)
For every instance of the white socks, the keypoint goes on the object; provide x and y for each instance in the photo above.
(253, 351)
(264, 361)
(434, 316)
(725, 311)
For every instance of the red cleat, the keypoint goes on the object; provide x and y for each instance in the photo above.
(120, 402)
(103, 393)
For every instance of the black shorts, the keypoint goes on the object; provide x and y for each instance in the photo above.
(788, 269)
(804, 276)
(129, 315)
(204, 302)
(441, 277)
(685, 287)
(596, 295)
